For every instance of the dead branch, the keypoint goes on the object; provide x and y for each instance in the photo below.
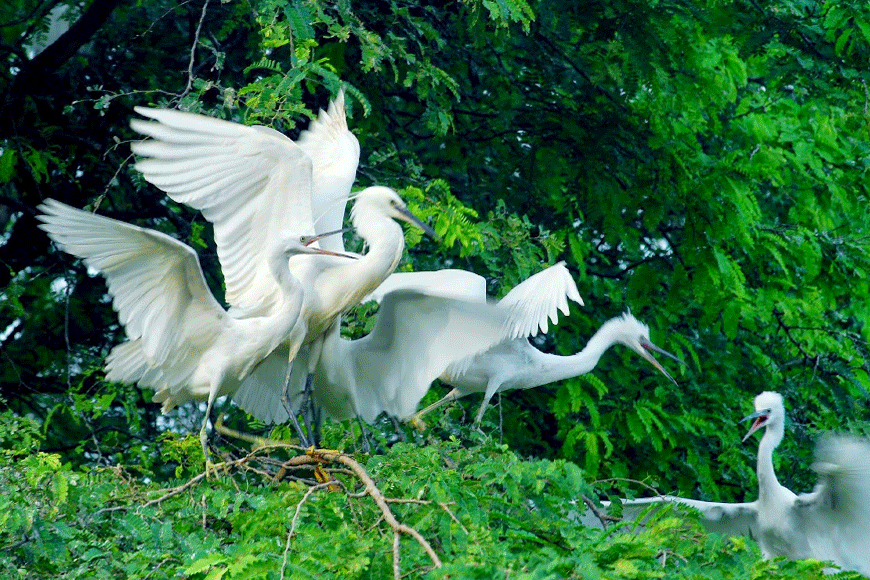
(314, 459)
(376, 494)
(602, 517)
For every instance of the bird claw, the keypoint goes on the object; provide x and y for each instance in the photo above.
(417, 423)
(214, 467)
(313, 451)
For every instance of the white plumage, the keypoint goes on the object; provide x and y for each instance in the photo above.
(181, 342)
(261, 181)
(513, 363)
(830, 523)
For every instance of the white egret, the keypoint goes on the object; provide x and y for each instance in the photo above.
(416, 337)
(251, 183)
(830, 523)
(514, 363)
(181, 342)
(248, 181)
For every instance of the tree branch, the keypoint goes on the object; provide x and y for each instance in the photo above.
(33, 74)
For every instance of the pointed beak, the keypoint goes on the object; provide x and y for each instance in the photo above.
(412, 219)
(760, 418)
(647, 348)
(328, 252)
(326, 235)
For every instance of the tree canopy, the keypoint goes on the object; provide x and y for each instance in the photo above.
(704, 164)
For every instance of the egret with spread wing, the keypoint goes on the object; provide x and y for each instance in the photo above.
(250, 182)
(830, 523)
(514, 363)
(181, 342)
(416, 337)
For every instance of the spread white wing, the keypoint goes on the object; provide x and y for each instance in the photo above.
(156, 285)
(729, 519)
(251, 183)
(416, 337)
(449, 283)
(532, 304)
(539, 298)
(334, 151)
(835, 517)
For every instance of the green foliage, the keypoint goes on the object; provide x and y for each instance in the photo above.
(488, 513)
(704, 165)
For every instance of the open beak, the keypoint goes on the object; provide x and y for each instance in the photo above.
(313, 239)
(760, 421)
(412, 219)
(647, 348)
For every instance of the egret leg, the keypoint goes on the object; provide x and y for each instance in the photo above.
(491, 390)
(317, 416)
(306, 407)
(366, 447)
(291, 412)
(300, 432)
(417, 419)
(309, 414)
(400, 430)
(203, 439)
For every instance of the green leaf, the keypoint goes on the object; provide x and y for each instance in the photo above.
(8, 160)
(206, 563)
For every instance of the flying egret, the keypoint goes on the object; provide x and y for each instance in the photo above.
(248, 181)
(830, 523)
(181, 342)
(514, 363)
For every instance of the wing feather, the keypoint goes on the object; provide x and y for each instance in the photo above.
(449, 283)
(416, 337)
(334, 151)
(155, 281)
(540, 297)
(730, 519)
(835, 517)
(250, 182)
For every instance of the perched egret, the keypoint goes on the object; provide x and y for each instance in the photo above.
(830, 523)
(416, 337)
(250, 182)
(181, 342)
(514, 363)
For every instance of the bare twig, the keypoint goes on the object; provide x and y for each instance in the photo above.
(629, 480)
(292, 530)
(193, 50)
(452, 517)
(602, 517)
(376, 494)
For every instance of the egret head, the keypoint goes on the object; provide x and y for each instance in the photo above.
(290, 243)
(769, 410)
(387, 202)
(635, 335)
